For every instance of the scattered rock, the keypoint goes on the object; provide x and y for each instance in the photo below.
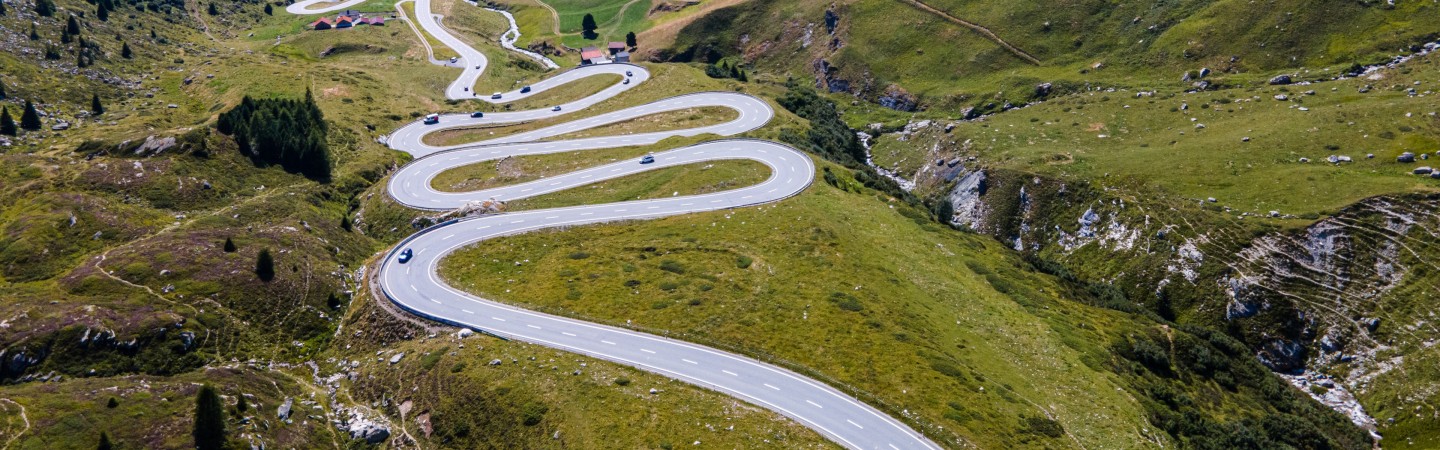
(654, 391)
(1043, 90)
(1282, 97)
(1245, 139)
(284, 411)
(494, 362)
(1280, 79)
(396, 359)
(1406, 157)
(1304, 160)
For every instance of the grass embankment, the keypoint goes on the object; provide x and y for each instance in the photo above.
(665, 121)
(805, 280)
(690, 179)
(1189, 147)
(533, 394)
(437, 49)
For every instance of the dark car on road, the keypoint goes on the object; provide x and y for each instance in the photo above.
(405, 256)
(477, 114)
(556, 108)
(647, 159)
(525, 90)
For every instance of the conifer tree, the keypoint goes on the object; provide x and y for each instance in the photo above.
(212, 11)
(45, 8)
(7, 124)
(2, 90)
(65, 36)
(265, 265)
(104, 442)
(240, 404)
(268, 10)
(587, 25)
(229, 246)
(630, 40)
(2, 8)
(102, 11)
(30, 119)
(209, 431)
(95, 107)
(34, 36)
(125, 50)
(72, 25)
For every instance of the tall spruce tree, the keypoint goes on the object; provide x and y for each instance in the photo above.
(630, 40)
(125, 50)
(72, 25)
(240, 405)
(45, 8)
(34, 36)
(268, 10)
(7, 124)
(102, 11)
(212, 11)
(2, 90)
(2, 8)
(95, 107)
(30, 119)
(209, 420)
(265, 265)
(587, 25)
(229, 246)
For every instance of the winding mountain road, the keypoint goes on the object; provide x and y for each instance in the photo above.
(415, 286)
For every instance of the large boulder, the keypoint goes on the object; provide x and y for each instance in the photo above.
(1406, 157)
(1282, 355)
(1280, 79)
(283, 412)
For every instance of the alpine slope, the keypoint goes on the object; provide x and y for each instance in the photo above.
(408, 273)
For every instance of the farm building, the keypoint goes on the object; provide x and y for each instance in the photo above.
(592, 55)
(616, 47)
(322, 23)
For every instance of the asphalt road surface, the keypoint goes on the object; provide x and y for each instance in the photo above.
(414, 285)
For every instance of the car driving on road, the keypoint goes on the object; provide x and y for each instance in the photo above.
(556, 108)
(495, 96)
(525, 90)
(405, 256)
(627, 81)
(628, 74)
(647, 159)
(477, 114)
(432, 119)
(453, 59)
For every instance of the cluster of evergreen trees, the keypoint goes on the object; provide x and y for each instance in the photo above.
(725, 68)
(287, 132)
(29, 120)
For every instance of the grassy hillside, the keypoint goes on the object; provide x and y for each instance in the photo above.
(945, 66)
